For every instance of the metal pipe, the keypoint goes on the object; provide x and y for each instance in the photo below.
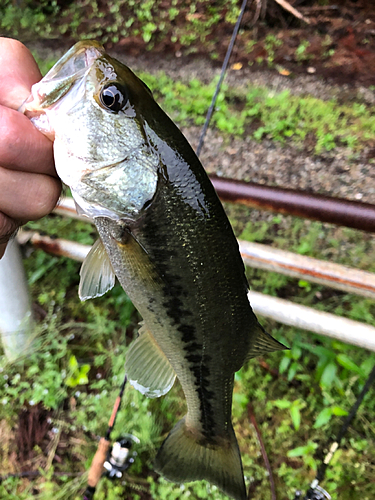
(339, 211)
(67, 208)
(280, 310)
(325, 273)
(55, 246)
(16, 321)
(306, 318)
(259, 256)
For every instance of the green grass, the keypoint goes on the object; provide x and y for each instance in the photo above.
(261, 113)
(149, 20)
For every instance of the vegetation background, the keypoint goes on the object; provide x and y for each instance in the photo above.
(55, 403)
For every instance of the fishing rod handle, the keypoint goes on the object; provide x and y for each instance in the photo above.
(96, 468)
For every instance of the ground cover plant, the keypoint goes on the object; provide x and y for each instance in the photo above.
(337, 42)
(57, 401)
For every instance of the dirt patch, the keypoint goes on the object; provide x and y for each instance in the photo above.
(338, 44)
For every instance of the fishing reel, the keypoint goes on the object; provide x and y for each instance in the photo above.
(315, 492)
(119, 457)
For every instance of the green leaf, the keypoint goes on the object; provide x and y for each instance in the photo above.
(323, 418)
(296, 351)
(296, 416)
(71, 382)
(282, 403)
(292, 370)
(304, 248)
(348, 364)
(338, 411)
(84, 369)
(284, 363)
(82, 380)
(328, 375)
(73, 363)
(301, 451)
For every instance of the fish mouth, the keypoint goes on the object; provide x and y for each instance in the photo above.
(60, 78)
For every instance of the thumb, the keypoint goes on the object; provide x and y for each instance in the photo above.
(19, 72)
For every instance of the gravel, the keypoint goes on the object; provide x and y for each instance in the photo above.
(267, 162)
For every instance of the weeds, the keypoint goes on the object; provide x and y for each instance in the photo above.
(281, 116)
(270, 44)
(301, 52)
(117, 19)
(78, 365)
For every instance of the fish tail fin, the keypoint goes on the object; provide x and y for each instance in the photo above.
(185, 456)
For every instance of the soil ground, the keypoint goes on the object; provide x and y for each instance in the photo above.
(339, 62)
(340, 36)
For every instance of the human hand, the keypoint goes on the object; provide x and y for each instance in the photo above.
(29, 187)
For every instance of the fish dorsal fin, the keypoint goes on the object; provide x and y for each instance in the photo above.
(264, 343)
(97, 274)
(147, 367)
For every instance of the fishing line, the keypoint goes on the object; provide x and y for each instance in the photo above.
(222, 75)
(315, 491)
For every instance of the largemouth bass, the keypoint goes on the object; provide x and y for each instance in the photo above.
(165, 235)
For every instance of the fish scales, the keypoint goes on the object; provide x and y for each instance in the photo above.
(164, 233)
(184, 305)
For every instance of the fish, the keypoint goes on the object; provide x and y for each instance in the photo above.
(164, 233)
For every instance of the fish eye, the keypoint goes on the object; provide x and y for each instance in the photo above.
(113, 97)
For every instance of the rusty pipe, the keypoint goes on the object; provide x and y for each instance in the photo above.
(354, 214)
(306, 318)
(259, 256)
(54, 246)
(325, 273)
(283, 311)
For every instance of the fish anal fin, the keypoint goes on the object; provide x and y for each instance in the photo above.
(263, 343)
(147, 367)
(184, 457)
(97, 274)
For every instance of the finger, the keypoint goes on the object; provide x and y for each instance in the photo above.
(2, 249)
(19, 72)
(22, 146)
(8, 227)
(26, 196)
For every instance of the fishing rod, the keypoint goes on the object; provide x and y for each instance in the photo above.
(111, 461)
(315, 491)
(211, 109)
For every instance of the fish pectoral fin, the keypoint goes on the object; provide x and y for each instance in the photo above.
(97, 274)
(185, 456)
(147, 367)
(264, 343)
